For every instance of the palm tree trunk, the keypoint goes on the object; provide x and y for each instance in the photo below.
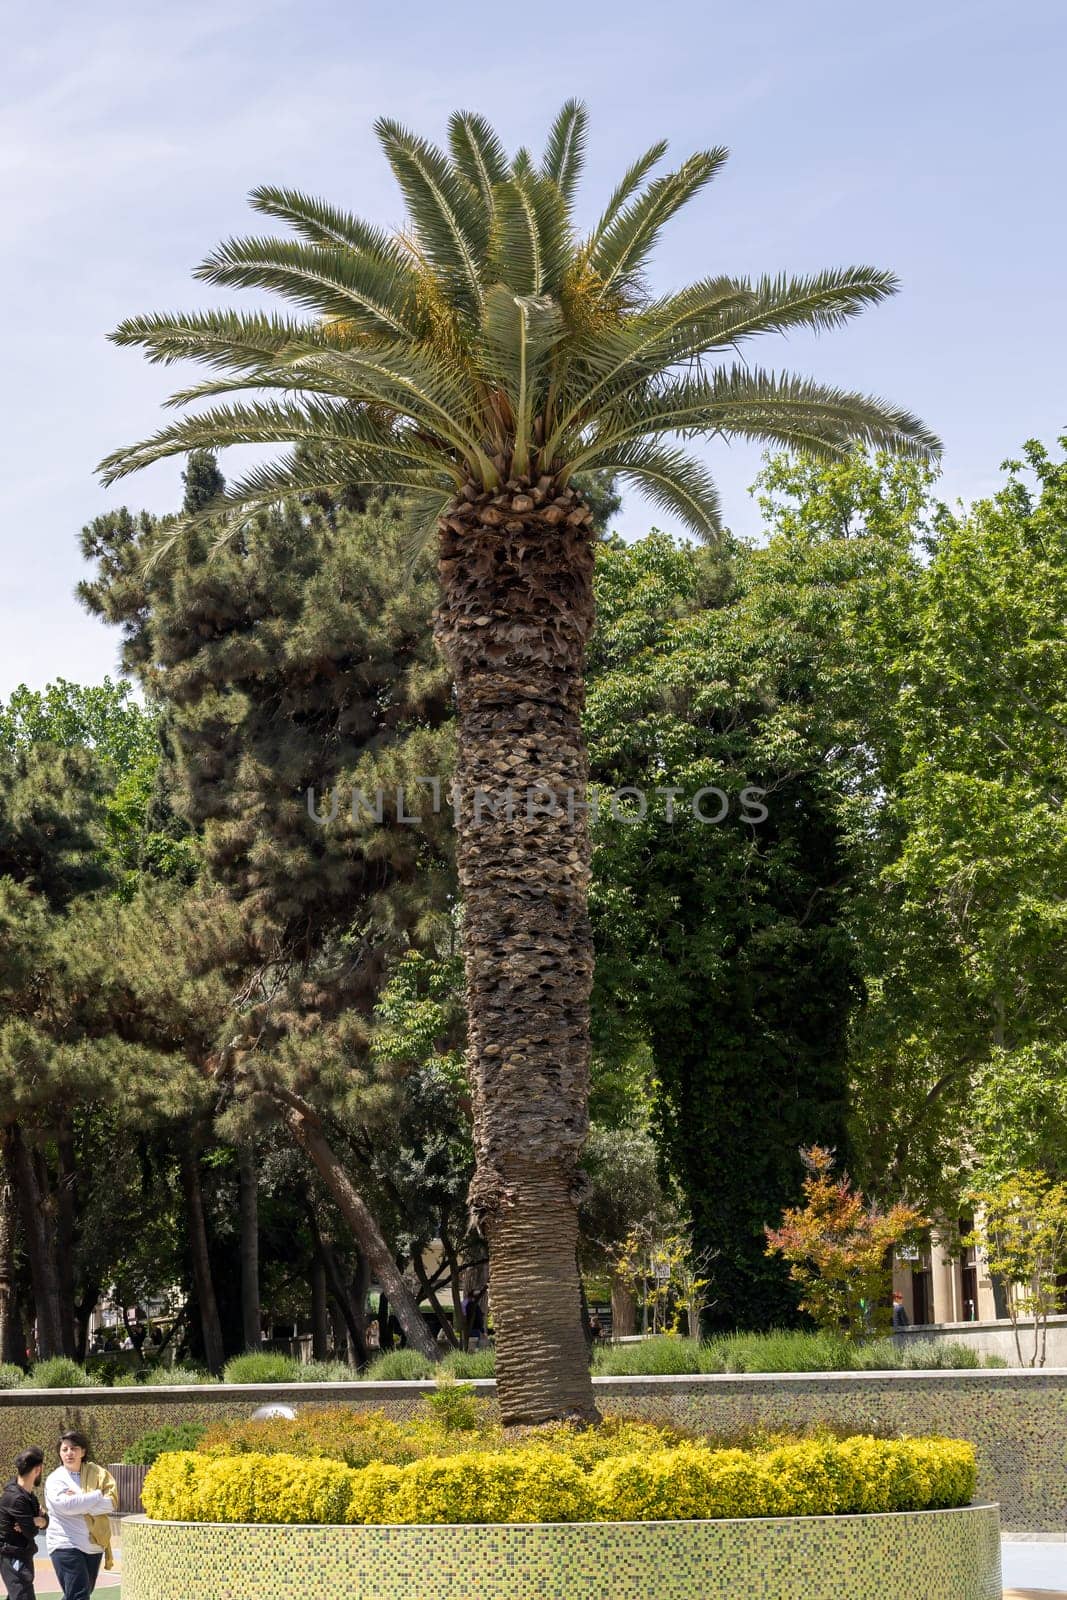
(307, 1132)
(249, 1207)
(516, 573)
(210, 1326)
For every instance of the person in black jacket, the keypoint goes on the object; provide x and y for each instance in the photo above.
(21, 1518)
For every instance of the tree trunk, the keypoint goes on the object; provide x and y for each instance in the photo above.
(210, 1327)
(8, 1229)
(307, 1131)
(320, 1322)
(66, 1197)
(623, 1309)
(38, 1247)
(430, 1294)
(249, 1204)
(516, 573)
(351, 1301)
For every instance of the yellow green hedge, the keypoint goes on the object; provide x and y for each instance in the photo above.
(540, 1483)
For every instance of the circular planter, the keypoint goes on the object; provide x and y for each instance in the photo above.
(950, 1555)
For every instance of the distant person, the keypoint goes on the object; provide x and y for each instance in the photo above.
(900, 1316)
(596, 1328)
(474, 1317)
(80, 1497)
(21, 1518)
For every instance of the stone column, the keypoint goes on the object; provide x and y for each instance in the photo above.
(947, 1281)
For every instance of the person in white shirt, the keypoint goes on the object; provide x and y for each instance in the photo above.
(71, 1504)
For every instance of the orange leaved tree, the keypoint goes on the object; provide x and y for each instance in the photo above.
(838, 1248)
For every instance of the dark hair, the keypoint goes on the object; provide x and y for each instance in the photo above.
(25, 1463)
(72, 1436)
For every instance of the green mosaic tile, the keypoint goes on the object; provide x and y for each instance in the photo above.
(945, 1555)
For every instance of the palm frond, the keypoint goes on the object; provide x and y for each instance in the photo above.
(414, 382)
(631, 181)
(822, 301)
(223, 339)
(774, 408)
(672, 479)
(373, 295)
(519, 332)
(352, 431)
(623, 358)
(622, 250)
(447, 211)
(478, 153)
(565, 152)
(268, 486)
(530, 248)
(320, 223)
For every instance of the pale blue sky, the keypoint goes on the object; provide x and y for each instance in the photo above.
(930, 140)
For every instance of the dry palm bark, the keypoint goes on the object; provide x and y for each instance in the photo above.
(516, 572)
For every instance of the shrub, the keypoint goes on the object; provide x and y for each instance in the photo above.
(396, 1364)
(10, 1375)
(354, 1437)
(651, 1357)
(261, 1366)
(506, 1486)
(454, 1406)
(560, 1477)
(180, 1375)
(172, 1436)
(782, 1350)
(58, 1372)
(189, 1487)
(470, 1363)
(326, 1372)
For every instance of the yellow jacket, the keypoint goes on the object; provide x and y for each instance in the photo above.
(98, 1478)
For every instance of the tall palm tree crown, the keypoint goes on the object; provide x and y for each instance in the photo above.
(487, 341)
(477, 361)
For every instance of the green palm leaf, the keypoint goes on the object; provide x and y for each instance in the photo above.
(219, 338)
(376, 296)
(478, 153)
(772, 408)
(631, 181)
(320, 223)
(449, 218)
(673, 480)
(623, 249)
(565, 152)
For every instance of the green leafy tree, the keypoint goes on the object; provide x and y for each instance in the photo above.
(479, 360)
(1021, 1225)
(943, 671)
(297, 675)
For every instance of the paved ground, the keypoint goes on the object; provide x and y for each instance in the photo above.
(1034, 1566)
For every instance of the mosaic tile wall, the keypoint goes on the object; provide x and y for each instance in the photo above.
(1017, 1420)
(957, 1554)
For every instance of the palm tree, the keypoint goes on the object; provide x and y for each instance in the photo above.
(477, 361)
